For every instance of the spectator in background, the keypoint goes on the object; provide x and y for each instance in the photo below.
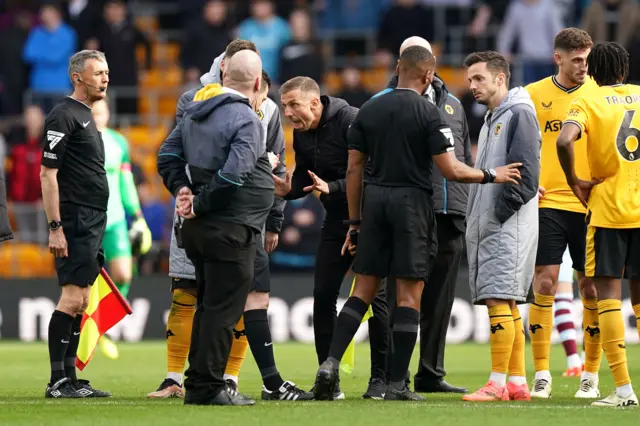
(404, 19)
(83, 16)
(300, 236)
(205, 39)
(13, 72)
(48, 50)
(302, 55)
(534, 23)
(352, 89)
(612, 20)
(269, 33)
(24, 179)
(118, 38)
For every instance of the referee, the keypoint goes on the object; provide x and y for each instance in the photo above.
(403, 134)
(75, 194)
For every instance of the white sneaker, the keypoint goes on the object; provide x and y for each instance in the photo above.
(615, 401)
(588, 389)
(541, 389)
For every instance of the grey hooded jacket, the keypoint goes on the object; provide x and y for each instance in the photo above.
(502, 219)
(179, 264)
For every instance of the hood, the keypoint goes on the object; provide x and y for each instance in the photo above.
(438, 85)
(516, 96)
(213, 76)
(331, 107)
(209, 98)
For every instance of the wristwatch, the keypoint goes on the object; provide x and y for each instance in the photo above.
(54, 225)
(489, 175)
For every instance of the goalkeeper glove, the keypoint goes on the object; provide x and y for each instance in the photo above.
(140, 237)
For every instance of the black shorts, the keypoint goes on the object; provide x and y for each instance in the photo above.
(261, 275)
(398, 233)
(613, 253)
(559, 228)
(261, 278)
(83, 228)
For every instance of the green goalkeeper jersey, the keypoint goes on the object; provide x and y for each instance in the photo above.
(122, 189)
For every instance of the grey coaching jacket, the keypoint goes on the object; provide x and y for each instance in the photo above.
(502, 219)
(179, 264)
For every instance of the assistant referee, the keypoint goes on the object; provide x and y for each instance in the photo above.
(403, 134)
(75, 193)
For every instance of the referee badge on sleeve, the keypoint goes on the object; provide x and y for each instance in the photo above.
(53, 138)
(449, 109)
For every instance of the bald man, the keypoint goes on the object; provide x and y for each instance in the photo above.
(225, 204)
(450, 205)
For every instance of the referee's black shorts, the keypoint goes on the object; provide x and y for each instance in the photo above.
(83, 228)
(261, 274)
(398, 233)
(557, 230)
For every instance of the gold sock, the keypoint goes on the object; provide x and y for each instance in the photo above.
(636, 310)
(592, 341)
(516, 362)
(179, 326)
(238, 350)
(540, 330)
(612, 331)
(501, 337)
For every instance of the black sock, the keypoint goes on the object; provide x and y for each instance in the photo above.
(405, 334)
(349, 321)
(72, 349)
(256, 324)
(59, 332)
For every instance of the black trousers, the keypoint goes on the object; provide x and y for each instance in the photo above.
(437, 299)
(223, 255)
(330, 270)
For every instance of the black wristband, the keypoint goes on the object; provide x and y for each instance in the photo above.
(487, 176)
(352, 222)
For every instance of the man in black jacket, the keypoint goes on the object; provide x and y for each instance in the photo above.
(450, 206)
(321, 153)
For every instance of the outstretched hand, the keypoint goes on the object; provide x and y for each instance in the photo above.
(283, 186)
(508, 173)
(318, 184)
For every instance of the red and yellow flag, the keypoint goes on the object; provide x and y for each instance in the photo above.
(106, 308)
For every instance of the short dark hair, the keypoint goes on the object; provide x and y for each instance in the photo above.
(608, 63)
(414, 57)
(496, 63)
(237, 45)
(304, 84)
(266, 81)
(572, 39)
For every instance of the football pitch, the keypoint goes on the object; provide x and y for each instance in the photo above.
(141, 368)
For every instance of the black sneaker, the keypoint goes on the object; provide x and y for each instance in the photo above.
(287, 392)
(326, 382)
(169, 388)
(85, 390)
(376, 389)
(405, 394)
(61, 389)
(337, 393)
(232, 387)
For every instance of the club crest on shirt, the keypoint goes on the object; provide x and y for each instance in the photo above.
(260, 115)
(496, 132)
(449, 109)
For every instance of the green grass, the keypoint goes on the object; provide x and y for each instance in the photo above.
(141, 367)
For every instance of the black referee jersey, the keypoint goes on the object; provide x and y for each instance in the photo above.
(73, 145)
